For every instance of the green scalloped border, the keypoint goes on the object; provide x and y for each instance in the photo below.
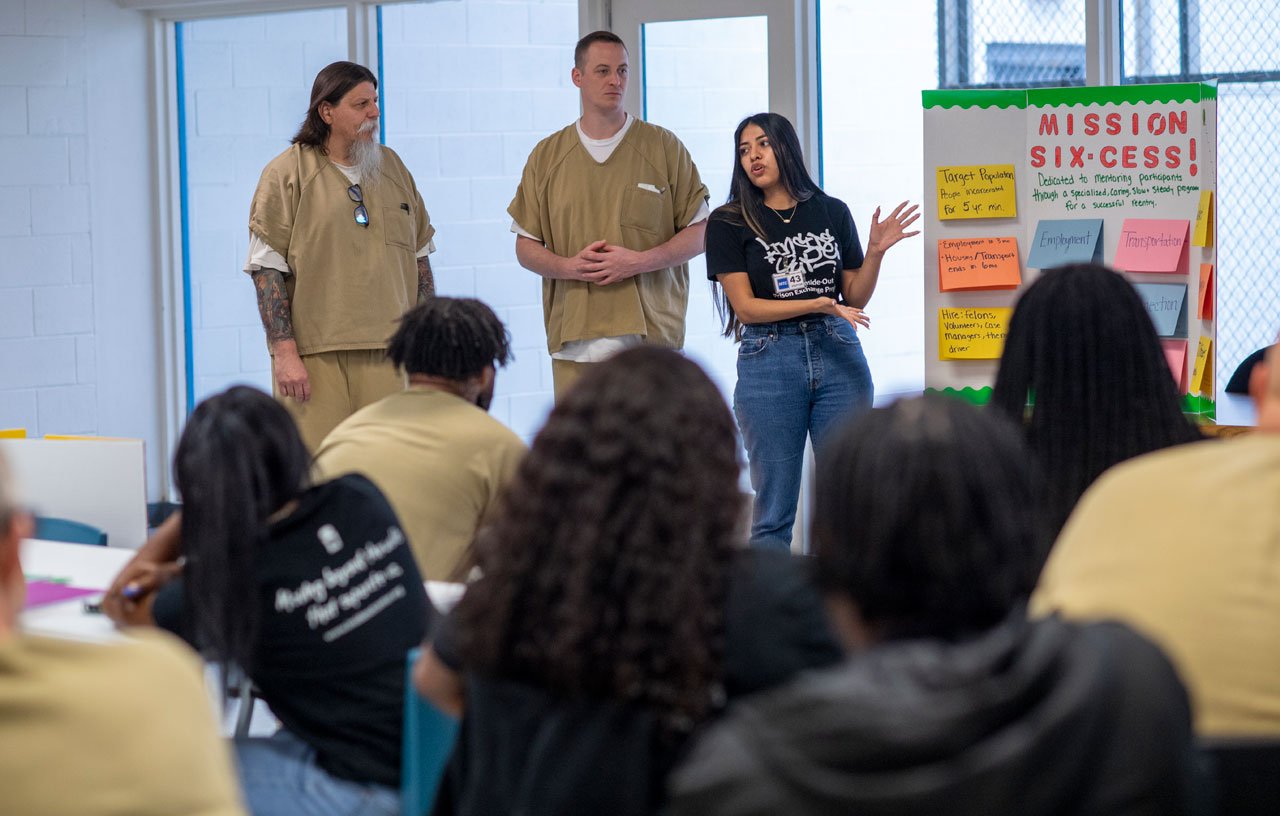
(1166, 93)
(1202, 408)
(973, 396)
(978, 98)
(1163, 93)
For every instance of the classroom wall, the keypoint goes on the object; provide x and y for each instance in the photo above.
(78, 299)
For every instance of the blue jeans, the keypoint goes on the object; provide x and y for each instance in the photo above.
(280, 776)
(795, 379)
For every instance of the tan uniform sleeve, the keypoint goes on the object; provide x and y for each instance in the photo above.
(526, 207)
(425, 230)
(687, 190)
(274, 205)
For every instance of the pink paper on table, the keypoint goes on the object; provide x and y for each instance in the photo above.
(1175, 351)
(1153, 245)
(42, 593)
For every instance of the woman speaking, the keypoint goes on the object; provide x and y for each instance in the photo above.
(793, 281)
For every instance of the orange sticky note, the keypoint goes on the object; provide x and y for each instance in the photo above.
(1202, 377)
(1203, 233)
(1175, 352)
(978, 263)
(1153, 245)
(1205, 310)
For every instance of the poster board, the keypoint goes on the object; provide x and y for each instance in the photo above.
(1126, 176)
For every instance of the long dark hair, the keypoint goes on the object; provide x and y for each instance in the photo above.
(1082, 346)
(605, 570)
(745, 205)
(927, 516)
(240, 460)
(331, 84)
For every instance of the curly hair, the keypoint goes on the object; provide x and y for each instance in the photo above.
(928, 517)
(1081, 345)
(605, 570)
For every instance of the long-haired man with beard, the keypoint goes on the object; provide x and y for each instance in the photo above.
(338, 246)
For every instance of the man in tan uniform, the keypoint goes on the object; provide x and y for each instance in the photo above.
(338, 246)
(101, 728)
(608, 212)
(432, 448)
(1181, 545)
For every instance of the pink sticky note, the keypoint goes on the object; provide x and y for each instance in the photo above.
(1153, 245)
(1175, 352)
(42, 593)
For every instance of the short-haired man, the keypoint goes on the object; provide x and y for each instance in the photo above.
(608, 211)
(1181, 545)
(101, 728)
(338, 245)
(433, 449)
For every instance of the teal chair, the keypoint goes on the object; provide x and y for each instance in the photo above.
(429, 735)
(72, 532)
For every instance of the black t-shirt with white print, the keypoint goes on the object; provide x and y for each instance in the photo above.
(800, 260)
(342, 602)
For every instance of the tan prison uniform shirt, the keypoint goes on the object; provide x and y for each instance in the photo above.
(98, 730)
(350, 284)
(440, 461)
(1184, 545)
(642, 195)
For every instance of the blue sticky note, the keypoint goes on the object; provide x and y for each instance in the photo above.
(1167, 305)
(1066, 241)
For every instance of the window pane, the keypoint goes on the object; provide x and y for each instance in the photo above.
(246, 82)
(469, 89)
(994, 42)
(1235, 38)
(872, 143)
(702, 77)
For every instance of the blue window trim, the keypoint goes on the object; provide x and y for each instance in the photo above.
(183, 203)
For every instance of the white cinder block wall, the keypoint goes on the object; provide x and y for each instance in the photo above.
(78, 294)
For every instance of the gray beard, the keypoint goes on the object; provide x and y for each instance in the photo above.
(368, 160)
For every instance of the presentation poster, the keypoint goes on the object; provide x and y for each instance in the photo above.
(1026, 180)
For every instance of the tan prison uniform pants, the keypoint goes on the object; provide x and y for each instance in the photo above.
(564, 373)
(342, 382)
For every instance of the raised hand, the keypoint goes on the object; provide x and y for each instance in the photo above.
(890, 231)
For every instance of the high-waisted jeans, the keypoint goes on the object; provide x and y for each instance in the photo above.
(795, 379)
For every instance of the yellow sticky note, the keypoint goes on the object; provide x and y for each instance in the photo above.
(976, 191)
(972, 334)
(1202, 378)
(1203, 235)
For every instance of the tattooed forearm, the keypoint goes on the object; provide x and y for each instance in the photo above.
(273, 304)
(426, 281)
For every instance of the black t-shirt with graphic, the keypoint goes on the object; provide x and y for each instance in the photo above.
(801, 260)
(342, 603)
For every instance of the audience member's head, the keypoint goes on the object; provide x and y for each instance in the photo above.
(606, 567)
(1264, 387)
(455, 340)
(239, 461)
(1082, 349)
(926, 522)
(15, 525)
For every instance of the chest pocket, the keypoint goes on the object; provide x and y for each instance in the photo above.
(398, 227)
(645, 210)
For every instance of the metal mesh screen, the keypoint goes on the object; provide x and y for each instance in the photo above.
(1236, 42)
(1010, 43)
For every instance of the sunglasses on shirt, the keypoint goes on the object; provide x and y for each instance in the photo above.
(361, 214)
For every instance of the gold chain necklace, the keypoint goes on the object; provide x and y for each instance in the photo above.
(786, 220)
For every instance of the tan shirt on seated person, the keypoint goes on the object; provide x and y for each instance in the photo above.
(125, 728)
(438, 459)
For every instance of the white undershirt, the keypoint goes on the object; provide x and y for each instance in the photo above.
(262, 256)
(596, 349)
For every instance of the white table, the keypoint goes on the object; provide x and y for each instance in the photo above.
(94, 568)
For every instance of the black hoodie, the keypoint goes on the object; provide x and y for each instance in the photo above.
(1041, 717)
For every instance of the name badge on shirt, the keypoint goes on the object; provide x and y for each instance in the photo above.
(788, 281)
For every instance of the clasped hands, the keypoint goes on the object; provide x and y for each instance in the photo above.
(603, 263)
